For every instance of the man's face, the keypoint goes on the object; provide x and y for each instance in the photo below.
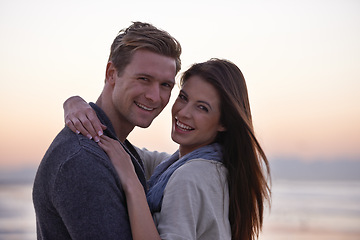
(143, 88)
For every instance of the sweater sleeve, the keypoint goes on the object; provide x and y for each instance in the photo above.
(195, 203)
(151, 159)
(89, 199)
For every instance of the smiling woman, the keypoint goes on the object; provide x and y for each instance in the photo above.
(196, 115)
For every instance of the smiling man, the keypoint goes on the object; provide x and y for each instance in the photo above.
(77, 193)
(138, 93)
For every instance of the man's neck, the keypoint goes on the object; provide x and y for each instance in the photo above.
(121, 129)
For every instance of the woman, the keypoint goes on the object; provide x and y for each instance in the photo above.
(215, 181)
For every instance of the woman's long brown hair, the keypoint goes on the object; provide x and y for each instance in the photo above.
(248, 167)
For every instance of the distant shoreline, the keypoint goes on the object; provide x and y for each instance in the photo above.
(345, 170)
(281, 169)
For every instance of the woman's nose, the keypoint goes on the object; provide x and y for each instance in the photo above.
(185, 111)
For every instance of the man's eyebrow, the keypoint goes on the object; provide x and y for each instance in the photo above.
(143, 75)
(170, 81)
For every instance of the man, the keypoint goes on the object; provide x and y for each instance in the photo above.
(77, 193)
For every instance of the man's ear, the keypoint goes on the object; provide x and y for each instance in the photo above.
(111, 73)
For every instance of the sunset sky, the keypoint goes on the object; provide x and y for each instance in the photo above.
(301, 61)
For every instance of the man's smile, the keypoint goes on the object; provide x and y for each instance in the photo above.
(146, 108)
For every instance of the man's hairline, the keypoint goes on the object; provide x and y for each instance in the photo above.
(150, 50)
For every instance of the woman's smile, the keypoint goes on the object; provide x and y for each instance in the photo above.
(196, 115)
(182, 126)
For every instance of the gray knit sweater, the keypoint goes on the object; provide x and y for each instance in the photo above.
(77, 193)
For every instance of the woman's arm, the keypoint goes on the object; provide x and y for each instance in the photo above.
(81, 118)
(141, 221)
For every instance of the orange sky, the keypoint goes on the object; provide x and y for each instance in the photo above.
(300, 59)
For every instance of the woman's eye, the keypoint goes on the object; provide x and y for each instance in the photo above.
(182, 97)
(204, 108)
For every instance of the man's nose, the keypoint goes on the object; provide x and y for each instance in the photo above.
(153, 93)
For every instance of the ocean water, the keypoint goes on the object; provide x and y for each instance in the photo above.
(300, 210)
(314, 210)
(17, 216)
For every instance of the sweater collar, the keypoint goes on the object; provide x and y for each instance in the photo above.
(110, 130)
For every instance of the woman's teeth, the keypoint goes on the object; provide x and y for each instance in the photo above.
(183, 126)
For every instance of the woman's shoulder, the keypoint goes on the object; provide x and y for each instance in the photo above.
(198, 171)
(200, 164)
(199, 191)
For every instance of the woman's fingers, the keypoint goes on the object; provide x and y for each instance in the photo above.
(110, 146)
(76, 124)
(71, 125)
(120, 159)
(80, 117)
(86, 123)
(93, 124)
(116, 152)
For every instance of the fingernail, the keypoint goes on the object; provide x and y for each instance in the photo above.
(77, 132)
(100, 133)
(96, 139)
(89, 136)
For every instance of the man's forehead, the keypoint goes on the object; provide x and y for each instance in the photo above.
(152, 64)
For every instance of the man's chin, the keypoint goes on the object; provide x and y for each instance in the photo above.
(144, 121)
(144, 124)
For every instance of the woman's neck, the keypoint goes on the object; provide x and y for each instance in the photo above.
(183, 150)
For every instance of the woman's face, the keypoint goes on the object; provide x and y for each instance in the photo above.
(196, 115)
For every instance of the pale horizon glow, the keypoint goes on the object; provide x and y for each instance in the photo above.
(300, 59)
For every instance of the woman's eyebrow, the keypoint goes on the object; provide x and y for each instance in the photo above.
(206, 103)
(199, 101)
(183, 92)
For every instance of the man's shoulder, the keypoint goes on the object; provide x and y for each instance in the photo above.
(71, 142)
(68, 146)
(72, 159)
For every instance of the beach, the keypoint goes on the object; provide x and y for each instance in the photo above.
(311, 210)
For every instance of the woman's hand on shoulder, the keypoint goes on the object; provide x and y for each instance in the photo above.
(121, 161)
(81, 118)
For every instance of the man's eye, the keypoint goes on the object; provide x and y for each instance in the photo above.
(144, 78)
(166, 85)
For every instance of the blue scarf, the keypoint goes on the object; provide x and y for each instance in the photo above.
(163, 171)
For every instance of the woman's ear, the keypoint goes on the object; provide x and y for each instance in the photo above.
(221, 128)
(111, 73)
